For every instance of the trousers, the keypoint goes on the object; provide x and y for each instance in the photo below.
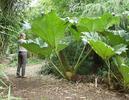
(22, 60)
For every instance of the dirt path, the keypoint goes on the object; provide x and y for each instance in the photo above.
(36, 87)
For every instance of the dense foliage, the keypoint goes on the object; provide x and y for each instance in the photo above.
(11, 15)
(93, 31)
(90, 7)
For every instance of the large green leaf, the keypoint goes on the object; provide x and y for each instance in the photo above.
(119, 49)
(124, 69)
(91, 35)
(50, 28)
(102, 49)
(123, 34)
(75, 32)
(35, 48)
(97, 24)
(114, 39)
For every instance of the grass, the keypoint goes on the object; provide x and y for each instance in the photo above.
(29, 61)
(5, 87)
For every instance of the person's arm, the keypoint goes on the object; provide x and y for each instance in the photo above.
(21, 41)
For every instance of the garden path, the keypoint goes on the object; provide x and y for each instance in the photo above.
(38, 87)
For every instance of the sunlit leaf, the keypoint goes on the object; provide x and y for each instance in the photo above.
(35, 48)
(91, 35)
(98, 24)
(102, 49)
(114, 39)
(124, 69)
(50, 28)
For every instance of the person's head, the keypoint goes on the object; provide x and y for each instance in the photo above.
(22, 36)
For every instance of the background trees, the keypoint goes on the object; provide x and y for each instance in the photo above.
(12, 13)
(90, 7)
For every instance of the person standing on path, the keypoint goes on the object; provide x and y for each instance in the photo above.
(22, 56)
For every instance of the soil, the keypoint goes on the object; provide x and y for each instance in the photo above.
(48, 87)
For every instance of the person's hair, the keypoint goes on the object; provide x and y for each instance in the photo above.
(22, 35)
